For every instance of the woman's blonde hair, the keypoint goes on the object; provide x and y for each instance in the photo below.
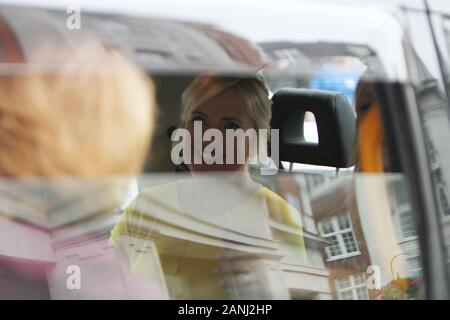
(91, 114)
(252, 90)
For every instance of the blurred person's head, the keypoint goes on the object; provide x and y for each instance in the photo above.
(372, 154)
(364, 98)
(90, 114)
(226, 103)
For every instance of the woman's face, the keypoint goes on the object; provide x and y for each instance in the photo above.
(223, 111)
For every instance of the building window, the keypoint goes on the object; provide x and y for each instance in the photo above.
(446, 25)
(438, 180)
(338, 231)
(414, 266)
(407, 228)
(352, 287)
(153, 57)
(291, 54)
(444, 202)
(316, 180)
(403, 210)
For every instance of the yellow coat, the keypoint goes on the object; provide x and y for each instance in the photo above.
(246, 218)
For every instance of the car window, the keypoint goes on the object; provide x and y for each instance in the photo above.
(312, 233)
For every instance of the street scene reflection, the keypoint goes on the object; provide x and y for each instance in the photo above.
(210, 237)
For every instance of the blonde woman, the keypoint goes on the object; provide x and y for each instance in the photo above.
(220, 193)
(70, 117)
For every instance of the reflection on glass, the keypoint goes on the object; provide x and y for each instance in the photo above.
(209, 237)
(229, 224)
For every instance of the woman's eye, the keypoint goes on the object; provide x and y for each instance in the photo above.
(232, 126)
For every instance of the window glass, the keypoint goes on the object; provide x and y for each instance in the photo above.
(342, 238)
(172, 232)
(352, 287)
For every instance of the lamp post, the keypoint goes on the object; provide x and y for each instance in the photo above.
(392, 262)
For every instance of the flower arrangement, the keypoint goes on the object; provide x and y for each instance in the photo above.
(400, 289)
